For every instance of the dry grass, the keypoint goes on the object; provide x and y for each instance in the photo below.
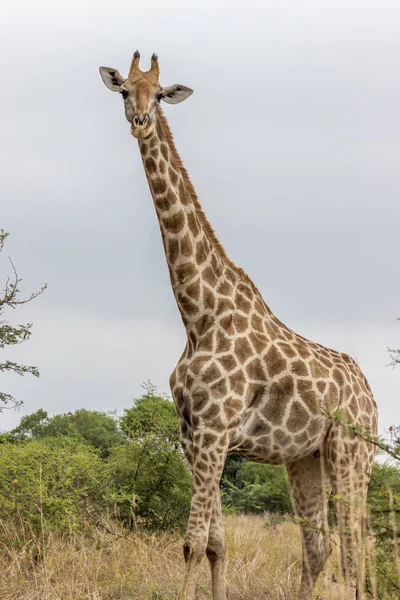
(264, 562)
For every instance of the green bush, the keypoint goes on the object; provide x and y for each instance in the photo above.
(256, 488)
(57, 484)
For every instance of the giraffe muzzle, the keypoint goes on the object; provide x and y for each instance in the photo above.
(141, 126)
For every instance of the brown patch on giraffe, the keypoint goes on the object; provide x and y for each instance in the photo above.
(255, 370)
(276, 363)
(212, 412)
(257, 427)
(172, 250)
(304, 388)
(210, 278)
(318, 370)
(219, 389)
(158, 185)
(198, 364)
(173, 176)
(333, 396)
(322, 385)
(199, 400)
(260, 307)
(326, 361)
(211, 374)
(229, 274)
(176, 223)
(193, 224)
(187, 306)
(153, 141)
(287, 350)
(232, 407)
(224, 304)
(209, 439)
(164, 151)
(338, 377)
(299, 368)
(201, 254)
(271, 329)
(302, 349)
(225, 288)
(242, 303)
(259, 341)
(314, 427)
(208, 298)
(274, 410)
(150, 165)
(218, 425)
(227, 324)
(223, 343)
(203, 324)
(240, 323)
(186, 245)
(143, 148)
(201, 466)
(162, 167)
(281, 437)
(256, 395)
(193, 290)
(185, 272)
(257, 323)
(237, 383)
(228, 362)
(155, 153)
(245, 289)
(164, 203)
(243, 349)
(301, 438)
(298, 418)
(207, 342)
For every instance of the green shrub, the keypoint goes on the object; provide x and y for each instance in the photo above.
(57, 483)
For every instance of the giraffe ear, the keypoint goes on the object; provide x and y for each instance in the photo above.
(112, 78)
(173, 94)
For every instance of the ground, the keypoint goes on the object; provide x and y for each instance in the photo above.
(264, 562)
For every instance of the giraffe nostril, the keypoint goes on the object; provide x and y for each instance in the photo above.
(135, 121)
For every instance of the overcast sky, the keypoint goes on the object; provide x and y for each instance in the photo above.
(292, 139)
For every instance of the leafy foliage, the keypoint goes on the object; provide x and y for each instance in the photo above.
(257, 488)
(61, 484)
(13, 334)
(151, 473)
(98, 429)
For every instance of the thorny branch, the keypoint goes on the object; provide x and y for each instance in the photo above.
(9, 334)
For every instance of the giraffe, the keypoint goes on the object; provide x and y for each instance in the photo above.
(245, 382)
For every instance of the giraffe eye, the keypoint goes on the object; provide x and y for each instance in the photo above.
(124, 94)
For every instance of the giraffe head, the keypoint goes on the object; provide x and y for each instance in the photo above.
(142, 94)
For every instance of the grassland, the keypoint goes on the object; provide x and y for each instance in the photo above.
(264, 562)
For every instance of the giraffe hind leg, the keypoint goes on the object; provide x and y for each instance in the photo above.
(349, 464)
(310, 485)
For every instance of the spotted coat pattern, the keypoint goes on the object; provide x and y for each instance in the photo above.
(248, 384)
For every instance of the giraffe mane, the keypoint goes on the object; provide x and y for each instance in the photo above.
(207, 227)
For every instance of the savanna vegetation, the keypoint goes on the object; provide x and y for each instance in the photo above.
(93, 505)
(100, 495)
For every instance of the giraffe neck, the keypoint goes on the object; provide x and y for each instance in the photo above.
(195, 258)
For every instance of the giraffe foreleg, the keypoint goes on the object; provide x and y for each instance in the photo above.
(207, 465)
(216, 551)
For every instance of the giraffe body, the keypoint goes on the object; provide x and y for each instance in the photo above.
(245, 382)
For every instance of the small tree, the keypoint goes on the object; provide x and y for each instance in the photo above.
(9, 334)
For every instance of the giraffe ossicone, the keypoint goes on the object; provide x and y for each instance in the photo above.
(245, 382)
